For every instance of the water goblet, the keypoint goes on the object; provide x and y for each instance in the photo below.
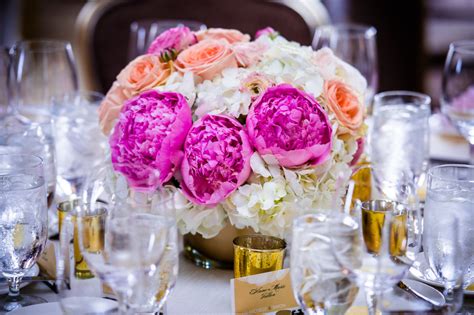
(457, 101)
(23, 223)
(450, 191)
(320, 282)
(399, 139)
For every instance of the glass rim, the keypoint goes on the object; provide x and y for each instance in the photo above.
(462, 46)
(42, 45)
(425, 99)
(430, 173)
(352, 29)
(37, 163)
(302, 221)
(280, 247)
(365, 205)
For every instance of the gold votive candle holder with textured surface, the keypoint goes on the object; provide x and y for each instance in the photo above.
(254, 254)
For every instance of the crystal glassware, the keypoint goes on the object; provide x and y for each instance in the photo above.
(320, 282)
(138, 259)
(41, 69)
(23, 223)
(450, 191)
(399, 139)
(32, 138)
(80, 144)
(143, 32)
(457, 101)
(355, 44)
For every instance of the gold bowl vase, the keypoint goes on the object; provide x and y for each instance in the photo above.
(215, 252)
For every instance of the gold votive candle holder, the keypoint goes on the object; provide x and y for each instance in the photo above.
(255, 254)
(92, 224)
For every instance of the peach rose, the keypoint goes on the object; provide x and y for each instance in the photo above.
(143, 73)
(109, 109)
(207, 58)
(231, 36)
(343, 102)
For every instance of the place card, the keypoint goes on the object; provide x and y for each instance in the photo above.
(263, 293)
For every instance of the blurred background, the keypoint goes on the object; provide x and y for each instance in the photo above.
(412, 35)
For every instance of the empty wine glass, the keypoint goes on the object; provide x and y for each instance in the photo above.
(450, 191)
(143, 32)
(356, 45)
(457, 101)
(23, 223)
(80, 144)
(41, 69)
(32, 138)
(320, 282)
(399, 139)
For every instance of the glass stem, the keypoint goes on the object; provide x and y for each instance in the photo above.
(121, 301)
(372, 300)
(14, 286)
(471, 152)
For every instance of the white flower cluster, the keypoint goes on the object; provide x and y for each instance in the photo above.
(273, 195)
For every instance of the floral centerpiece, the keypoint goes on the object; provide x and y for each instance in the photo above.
(251, 132)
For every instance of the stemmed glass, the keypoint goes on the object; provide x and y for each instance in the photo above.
(32, 138)
(356, 45)
(450, 191)
(320, 282)
(399, 139)
(23, 223)
(457, 101)
(80, 144)
(143, 32)
(138, 255)
(390, 235)
(41, 69)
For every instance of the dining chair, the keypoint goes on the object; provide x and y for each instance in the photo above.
(103, 27)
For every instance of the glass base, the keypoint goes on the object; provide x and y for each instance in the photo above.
(202, 261)
(10, 303)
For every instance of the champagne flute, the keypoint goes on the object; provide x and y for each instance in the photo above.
(319, 280)
(23, 223)
(457, 101)
(356, 45)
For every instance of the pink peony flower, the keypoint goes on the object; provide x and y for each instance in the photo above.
(229, 35)
(288, 127)
(267, 31)
(216, 159)
(149, 138)
(248, 54)
(169, 43)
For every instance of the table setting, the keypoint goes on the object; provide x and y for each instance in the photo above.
(224, 173)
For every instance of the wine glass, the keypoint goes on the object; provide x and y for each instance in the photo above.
(356, 45)
(143, 32)
(41, 69)
(399, 139)
(23, 223)
(32, 138)
(319, 280)
(390, 236)
(80, 144)
(450, 191)
(457, 101)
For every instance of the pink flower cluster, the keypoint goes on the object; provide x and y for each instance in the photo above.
(216, 159)
(147, 142)
(288, 127)
(172, 42)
